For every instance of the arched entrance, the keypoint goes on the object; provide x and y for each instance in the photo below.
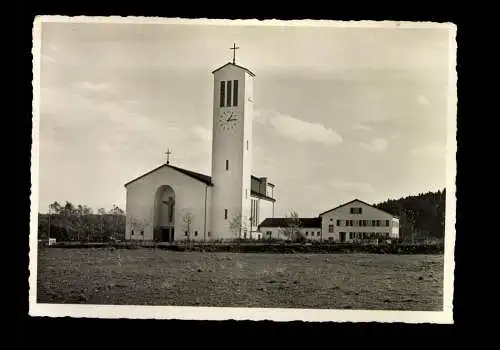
(164, 229)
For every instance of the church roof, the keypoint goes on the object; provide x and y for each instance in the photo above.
(200, 177)
(203, 178)
(233, 64)
(283, 222)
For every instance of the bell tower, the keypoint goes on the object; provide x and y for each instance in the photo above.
(231, 147)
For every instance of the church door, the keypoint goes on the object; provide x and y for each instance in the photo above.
(165, 234)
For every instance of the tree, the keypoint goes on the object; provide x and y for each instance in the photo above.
(116, 210)
(55, 208)
(138, 226)
(187, 219)
(239, 225)
(116, 218)
(292, 227)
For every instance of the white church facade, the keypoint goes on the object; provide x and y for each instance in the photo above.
(171, 203)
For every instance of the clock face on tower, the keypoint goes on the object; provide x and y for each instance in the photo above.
(228, 120)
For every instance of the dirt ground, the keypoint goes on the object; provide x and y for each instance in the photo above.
(157, 277)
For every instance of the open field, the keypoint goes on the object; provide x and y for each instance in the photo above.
(158, 277)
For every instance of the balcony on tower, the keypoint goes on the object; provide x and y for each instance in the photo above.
(262, 188)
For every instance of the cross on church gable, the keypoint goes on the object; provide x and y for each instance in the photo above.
(168, 153)
(234, 48)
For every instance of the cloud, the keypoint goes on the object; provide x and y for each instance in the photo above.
(422, 100)
(362, 127)
(263, 116)
(377, 146)
(432, 150)
(203, 133)
(351, 186)
(93, 87)
(298, 129)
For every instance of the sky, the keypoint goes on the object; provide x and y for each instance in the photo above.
(340, 113)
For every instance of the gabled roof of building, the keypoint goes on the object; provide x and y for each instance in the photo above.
(356, 200)
(233, 64)
(283, 222)
(203, 178)
(200, 177)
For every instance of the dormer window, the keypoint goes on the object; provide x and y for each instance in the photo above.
(356, 211)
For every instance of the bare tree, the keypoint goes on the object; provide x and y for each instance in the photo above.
(187, 219)
(116, 214)
(292, 227)
(239, 226)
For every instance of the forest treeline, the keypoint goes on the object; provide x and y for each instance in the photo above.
(71, 222)
(421, 215)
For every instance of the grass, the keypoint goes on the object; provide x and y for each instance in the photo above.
(156, 277)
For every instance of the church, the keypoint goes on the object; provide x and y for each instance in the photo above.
(170, 203)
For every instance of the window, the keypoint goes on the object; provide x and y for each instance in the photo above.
(235, 93)
(228, 100)
(307, 233)
(227, 164)
(142, 232)
(257, 212)
(196, 233)
(185, 233)
(351, 223)
(318, 234)
(254, 212)
(386, 222)
(208, 233)
(247, 145)
(331, 219)
(338, 222)
(330, 228)
(356, 211)
(132, 232)
(225, 214)
(352, 235)
(222, 93)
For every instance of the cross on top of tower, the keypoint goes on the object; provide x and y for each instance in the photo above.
(168, 155)
(234, 48)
